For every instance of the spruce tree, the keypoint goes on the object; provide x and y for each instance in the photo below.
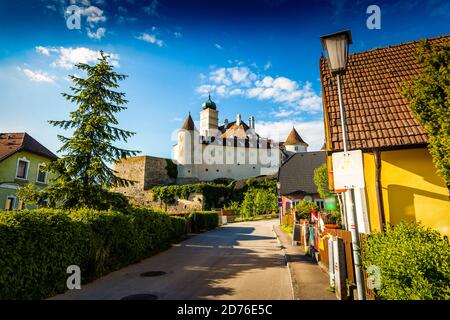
(83, 172)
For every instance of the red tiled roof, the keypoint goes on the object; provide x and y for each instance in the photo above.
(294, 139)
(188, 124)
(376, 114)
(11, 143)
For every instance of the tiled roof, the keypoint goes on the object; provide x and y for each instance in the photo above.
(188, 124)
(294, 138)
(235, 130)
(296, 175)
(11, 143)
(376, 114)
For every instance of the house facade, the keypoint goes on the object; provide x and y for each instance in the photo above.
(296, 179)
(400, 178)
(21, 158)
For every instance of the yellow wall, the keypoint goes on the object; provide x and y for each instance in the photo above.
(413, 191)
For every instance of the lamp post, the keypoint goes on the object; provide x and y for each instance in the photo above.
(336, 47)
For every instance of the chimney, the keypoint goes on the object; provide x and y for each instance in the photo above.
(225, 123)
(252, 122)
(238, 119)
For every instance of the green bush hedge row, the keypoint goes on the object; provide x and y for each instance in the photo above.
(414, 262)
(203, 220)
(37, 246)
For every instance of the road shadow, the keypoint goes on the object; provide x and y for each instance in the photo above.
(207, 266)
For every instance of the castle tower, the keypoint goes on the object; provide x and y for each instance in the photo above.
(294, 143)
(209, 118)
(186, 138)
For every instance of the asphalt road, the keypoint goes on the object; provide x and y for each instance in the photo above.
(238, 261)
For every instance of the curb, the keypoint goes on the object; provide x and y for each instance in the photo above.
(288, 265)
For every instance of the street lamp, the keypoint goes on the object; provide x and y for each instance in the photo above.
(336, 47)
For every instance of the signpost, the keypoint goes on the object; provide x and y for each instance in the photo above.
(348, 173)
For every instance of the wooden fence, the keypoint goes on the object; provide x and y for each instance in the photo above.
(346, 236)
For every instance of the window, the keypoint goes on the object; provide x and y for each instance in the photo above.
(22, 168)
(10, 203)
(21, 205)
(319, 203)
(41, 175)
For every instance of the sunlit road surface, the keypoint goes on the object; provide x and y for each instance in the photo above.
(238, 261)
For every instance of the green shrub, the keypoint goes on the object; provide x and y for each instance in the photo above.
(211, 192)
(304, 209)
(37, 246)
(414, 262)
(203, 221)
(259, 201)
(256, 218)
(179, 228)
(287, 227)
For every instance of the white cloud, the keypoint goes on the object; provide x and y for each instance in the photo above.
(38, 76)
(98, 34)
(312, 132)
(68, 57)
(292, 97)
(93, 15)
(268, 65)
(218, 46)
(151, 38)
(43, 50)
(178, 34)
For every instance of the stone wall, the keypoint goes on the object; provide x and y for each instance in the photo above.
(147, 172)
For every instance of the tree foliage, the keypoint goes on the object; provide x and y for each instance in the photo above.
(429, 99)
(83, 173)
(258, 202)
(321, 180)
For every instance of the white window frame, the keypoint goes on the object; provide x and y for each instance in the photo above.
(26, 172)
(37, 175)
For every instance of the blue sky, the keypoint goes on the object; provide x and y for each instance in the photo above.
(256, 58)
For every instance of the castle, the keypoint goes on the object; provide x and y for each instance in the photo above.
(232, 150)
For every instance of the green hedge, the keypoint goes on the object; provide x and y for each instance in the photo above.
(414, 262)
(203, 220)
(37, 246)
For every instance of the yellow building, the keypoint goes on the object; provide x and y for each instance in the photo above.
(400, 178)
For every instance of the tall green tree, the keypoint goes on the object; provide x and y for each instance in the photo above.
(321, 180)
(83, 172)
(429, 99)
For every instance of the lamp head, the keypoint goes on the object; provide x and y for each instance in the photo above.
(336, 46)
